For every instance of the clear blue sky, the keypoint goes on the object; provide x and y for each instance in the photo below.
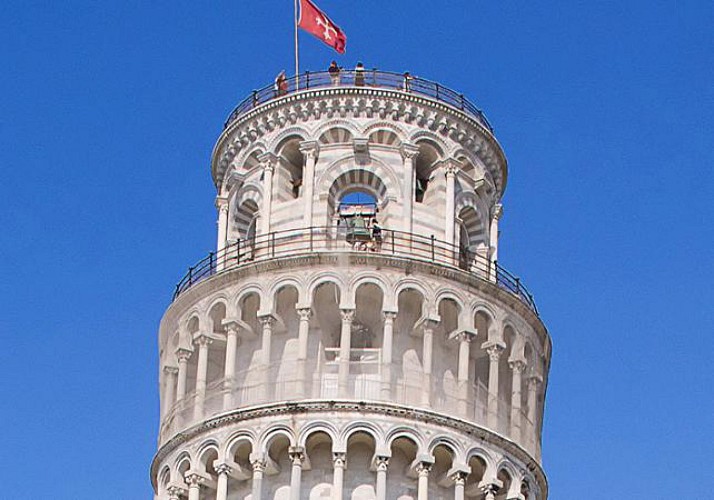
(109, 111)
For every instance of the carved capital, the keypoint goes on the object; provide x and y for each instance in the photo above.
(202, 340)
(451, 167)
(517, 365)
(338, 460)
(269, 161)
(348, 315)
(267, 321)
(171, 371)
(409, 151)
(258, 466)
(382, 463)
(183, 354)
(223, 469)
(304, 313)
(534, 380)
(297, 455)
(175, 492)
(194, 479)
(389, 316)
(497, 211)
(459, 477)
(232, 326)
(222, 204)
(310, 149)
(423, 469)
(494, 350)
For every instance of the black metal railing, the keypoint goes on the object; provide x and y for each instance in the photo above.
(296, 242)
(368, 78)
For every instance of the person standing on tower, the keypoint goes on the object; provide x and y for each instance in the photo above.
(334, 71)
(359, 75)
(281, 84)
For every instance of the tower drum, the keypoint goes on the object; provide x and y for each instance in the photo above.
(353, 335)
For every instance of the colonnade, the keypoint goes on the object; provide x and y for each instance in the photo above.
(197, 482)
(175, 378)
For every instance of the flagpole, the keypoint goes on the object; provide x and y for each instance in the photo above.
(297, 57)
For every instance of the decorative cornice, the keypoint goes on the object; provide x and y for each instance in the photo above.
(361, 407)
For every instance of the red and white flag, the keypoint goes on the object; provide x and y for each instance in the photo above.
(316, 22)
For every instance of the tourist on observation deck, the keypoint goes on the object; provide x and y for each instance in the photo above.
(407, 81)
(334, 71)
(359, 75)
(281, 84)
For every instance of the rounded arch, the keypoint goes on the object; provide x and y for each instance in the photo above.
(272, 433)
(343, 167)
(356, 179)
(285, 135)
(424, 136)
(402, 432)
(413, 284)
(341, 123)
(367, 277)
(335, 135)
(316, 427)
(480, 453)
(364, 427)
(288, 282)
(385, 126)
(384, 137)
(450, 443)
(236, 439)
(207, 450)
(327, 277)
(246, 291)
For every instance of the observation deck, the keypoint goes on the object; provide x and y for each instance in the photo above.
(316, 240)
(372, 79)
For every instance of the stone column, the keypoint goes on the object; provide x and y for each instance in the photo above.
(382, 464)
(450, 169)
(494, 350)
(464, 338)
(222, 223)
(203, 342)
(533, 382)
(229, 371)
(267, 322)
(422, 471)
(427, 348)
(304, 314)
(257, 486)
(459, 479)
(182, 355)
(338, 477)
(223, 470)
(309, 149)
(388, 339)
(495, 217)
(409, 155)
(170, 372)
(269, 161)
(297, 455)
(343, 381)
(194, 482)
(517, 367)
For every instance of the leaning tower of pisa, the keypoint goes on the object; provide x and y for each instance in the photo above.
(353, 335)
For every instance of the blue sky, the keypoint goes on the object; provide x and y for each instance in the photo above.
(108, 114)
